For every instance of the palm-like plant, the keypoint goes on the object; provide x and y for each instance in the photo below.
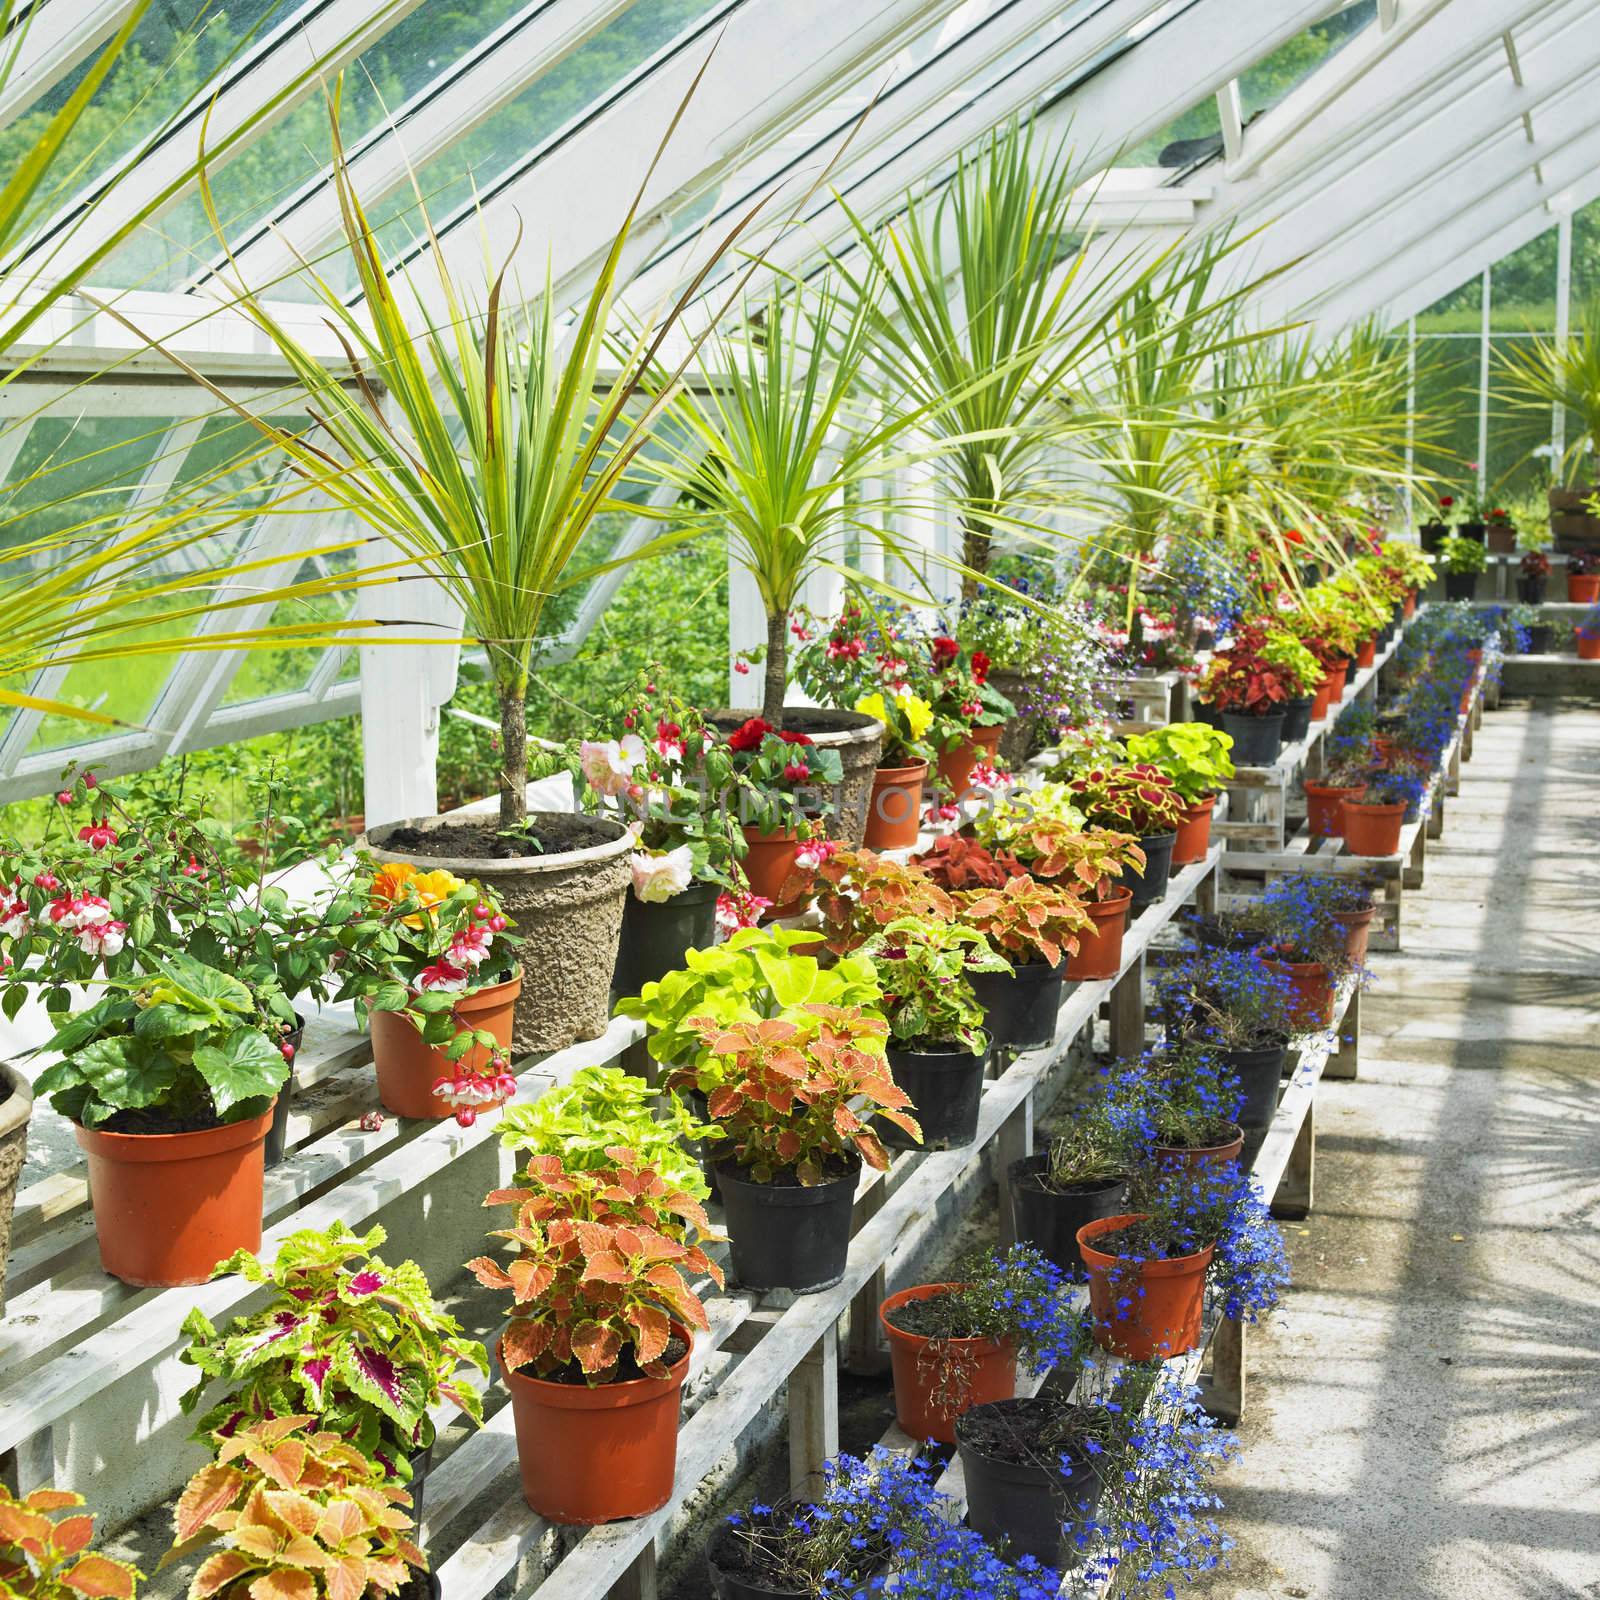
(1538, 374)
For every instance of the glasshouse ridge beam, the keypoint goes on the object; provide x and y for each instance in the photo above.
(58, 38)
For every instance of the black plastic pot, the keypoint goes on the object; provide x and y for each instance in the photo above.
(1460, 585)
(1530, 591)
(1216, 937)
(654, 937)
(421, 1463)
(1260, 1075)
(727, 1585)
(1020, 1007)
(1209, 715)
(1297, 718)
(1026, 1510)
(1477, 532)
(1152, 886)
(1049, 1220)
(946, 1087)
(783, 1236)
(277, 1144)
(1256, 740)
(1433, 535)
(1539, 639)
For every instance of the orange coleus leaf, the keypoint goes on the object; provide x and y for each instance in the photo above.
(724, 1102)
(212, 1489)
(789, 1145)
(507, 1197)
(530, 1279)
(98, 1577)
(284, 1585)
(52, 1500)
(653, 1327)
(298, 1512)
(342, 1520)
(345, 1578)
(387, 1573)
(525, 1340)
(596, 1346)
(73, 1534)
(606, 1266)
(489, 1272)
(216, 1572)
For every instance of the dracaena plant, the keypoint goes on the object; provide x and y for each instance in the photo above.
(301, 1513)
(924, 967)
(1137, 799)
(346, 1337)
(859, 891)
(599, 1267)
(797, 1093)
(954, 861)
(183, 1041)
(1027, 920)
(756, 972)
(46, 1557)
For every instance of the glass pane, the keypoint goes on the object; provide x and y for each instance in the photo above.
(1585, 254)
(287, 669)
(1459, 311)
(1271, 79)
(1514, 434)
(1447, 396)
(175, 53)
(1522, 290)
(293, 151)
(1191, 137)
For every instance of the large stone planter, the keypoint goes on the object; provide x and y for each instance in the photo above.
(1030, 729)
(15, 1110)
(566, 904)
(858, 739)
(1570, 526)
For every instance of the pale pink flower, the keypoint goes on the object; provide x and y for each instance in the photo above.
(103, 938)
(470, 947)
(608, 764)
(658, 877)
(740, 911)
(813, 852)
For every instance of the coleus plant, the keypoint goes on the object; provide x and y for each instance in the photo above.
(859, 891)
(1242, 680)
(302, 1515)
(1027, 920)
(358, 1343)
(954, 861)
(798, 1092)
(46, 1557)
(182, 1042)
(756, 972)
(1138, 799)
(1088, 861)
(599, 1268)
(924, 968)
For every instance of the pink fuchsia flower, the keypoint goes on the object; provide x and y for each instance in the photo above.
(103, 938)
(468, 1091)
(442, 975)
(796, 772)
(194, 869)
(90, 781)
(813, 852)
(470, 947)
(658, 876)
(741, 667)
(669, 740)
(945, 812)
(46, 881)
(742, 910)
(14, 918)
(987, 778)
(608, 764)
(64, 798)
(844, 649)
(98, 835)
(71, 912)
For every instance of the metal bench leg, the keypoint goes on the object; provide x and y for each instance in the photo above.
(814, 1411)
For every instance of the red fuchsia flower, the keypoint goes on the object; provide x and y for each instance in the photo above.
(945, 650)
(741, 667)
(750, 735)
(482, 911)
(1293, 536)
(444, 975)
(470, 947)
(669, 740)
(46, 881)
(795, 738)
(74, 911)
(103, 938)
(813, 852)
(741, 910)
(64, 798)
(796, 772)
(14, 918)
(971, 708)
(1446, 501)
(980, 665)
(798, 629)
(286, 1050)
(983, 776)
(90, 781)
(98, 835)
(194, 869)
(371, 1122)
(944, 812)
(844, 649)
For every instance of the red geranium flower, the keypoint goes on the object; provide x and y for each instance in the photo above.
(945, 650)
(980, 666)
(749, 736)
(1294, 536)
(795, 738)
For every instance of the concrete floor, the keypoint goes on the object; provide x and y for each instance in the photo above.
(1424, 1417)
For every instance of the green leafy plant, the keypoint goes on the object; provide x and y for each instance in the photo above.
(1460, 556)
(1195, 757)
(301, 1513)
(756, 972)
(45, 1557)
(923, 967)
(1288, 656)
(1138, 799)
(1089, 1152)
(183, 1041)
(600, 1109)
(599, 1266)
(797, 1093)
(357, 1343)
(1027, 920)
(1537, 374)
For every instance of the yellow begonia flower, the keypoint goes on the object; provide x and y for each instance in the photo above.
(872, 705)
(918, 713)
(393, 881)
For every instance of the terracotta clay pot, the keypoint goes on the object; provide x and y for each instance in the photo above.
(955, 766)
(1583, 588)
(1325, 807)
(1366, 653)
(169, 1206)
(1409, 608)
(977, 1370)
(1588, 645)
(1320, 700)
(1193, 1157)
(1373, 830)
(590, 1455)
(1313, 990)
(1357, 927)
(1338, 678)
(1163, 1318)
(1099, 953)
(1194, 832)
(15, 1110)
(894, 818)
(407, 1068)
(768, 864)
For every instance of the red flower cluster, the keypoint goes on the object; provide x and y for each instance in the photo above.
(945, 650)
(749, 735)
(980, 666)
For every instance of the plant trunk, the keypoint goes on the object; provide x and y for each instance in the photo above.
(513, 755)
(975, 541)
(777, 678)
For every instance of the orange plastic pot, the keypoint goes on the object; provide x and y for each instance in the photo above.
(1311, 987)
(894, 818)
(768, 863)
(1194, 832)
(1583, 588)
(933, 1388)
(1588, 645)
(408, 1069)
(1338, 677)
(169, 1206)
(1366, 652)
(1099, 952)
(1194, 1157)
(591, 1455)
(1325, 807)
(1357, 927)
(1321, 699)
(1373, 830)
(1409, 608)
(1164, 1298)
(955, 766)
